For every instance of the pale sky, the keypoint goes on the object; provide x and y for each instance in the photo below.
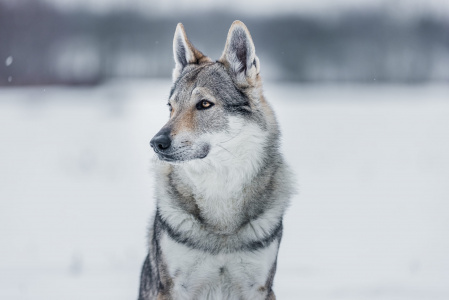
(259, 7)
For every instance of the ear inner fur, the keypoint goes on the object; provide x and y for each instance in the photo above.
(239, 55)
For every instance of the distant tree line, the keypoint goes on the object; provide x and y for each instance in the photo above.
(42, 45)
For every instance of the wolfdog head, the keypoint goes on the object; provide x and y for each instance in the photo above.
(218, 115)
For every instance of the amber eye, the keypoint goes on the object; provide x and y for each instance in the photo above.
(204, 104)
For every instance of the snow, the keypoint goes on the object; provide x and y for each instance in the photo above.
(8, 61)
(370, 220)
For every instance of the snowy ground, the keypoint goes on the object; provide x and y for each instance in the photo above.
(371, 220)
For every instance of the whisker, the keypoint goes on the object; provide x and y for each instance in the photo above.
(206, 163)
(232, 137)
(227, 150)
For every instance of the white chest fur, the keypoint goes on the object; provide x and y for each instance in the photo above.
(218, 180)
(200, 275)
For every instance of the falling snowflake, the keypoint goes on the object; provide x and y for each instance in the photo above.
(8, 61)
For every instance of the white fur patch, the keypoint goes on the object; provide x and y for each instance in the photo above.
(217, 180)
(198, 275)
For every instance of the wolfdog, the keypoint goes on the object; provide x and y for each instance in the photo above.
(222, 186)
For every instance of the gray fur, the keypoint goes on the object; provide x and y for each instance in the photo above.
(183, 217)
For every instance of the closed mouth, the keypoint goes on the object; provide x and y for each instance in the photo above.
(166, 157)
(175, 157)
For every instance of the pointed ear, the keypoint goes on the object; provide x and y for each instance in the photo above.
(184, 52)
(239, 55)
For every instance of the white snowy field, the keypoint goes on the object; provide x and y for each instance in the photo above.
(371, 220)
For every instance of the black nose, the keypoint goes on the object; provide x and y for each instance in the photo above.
(160, 142)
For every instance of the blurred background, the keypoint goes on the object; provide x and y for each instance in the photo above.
(88, 42)
(360, 88)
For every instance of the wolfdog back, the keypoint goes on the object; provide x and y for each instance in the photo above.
(222, 186)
